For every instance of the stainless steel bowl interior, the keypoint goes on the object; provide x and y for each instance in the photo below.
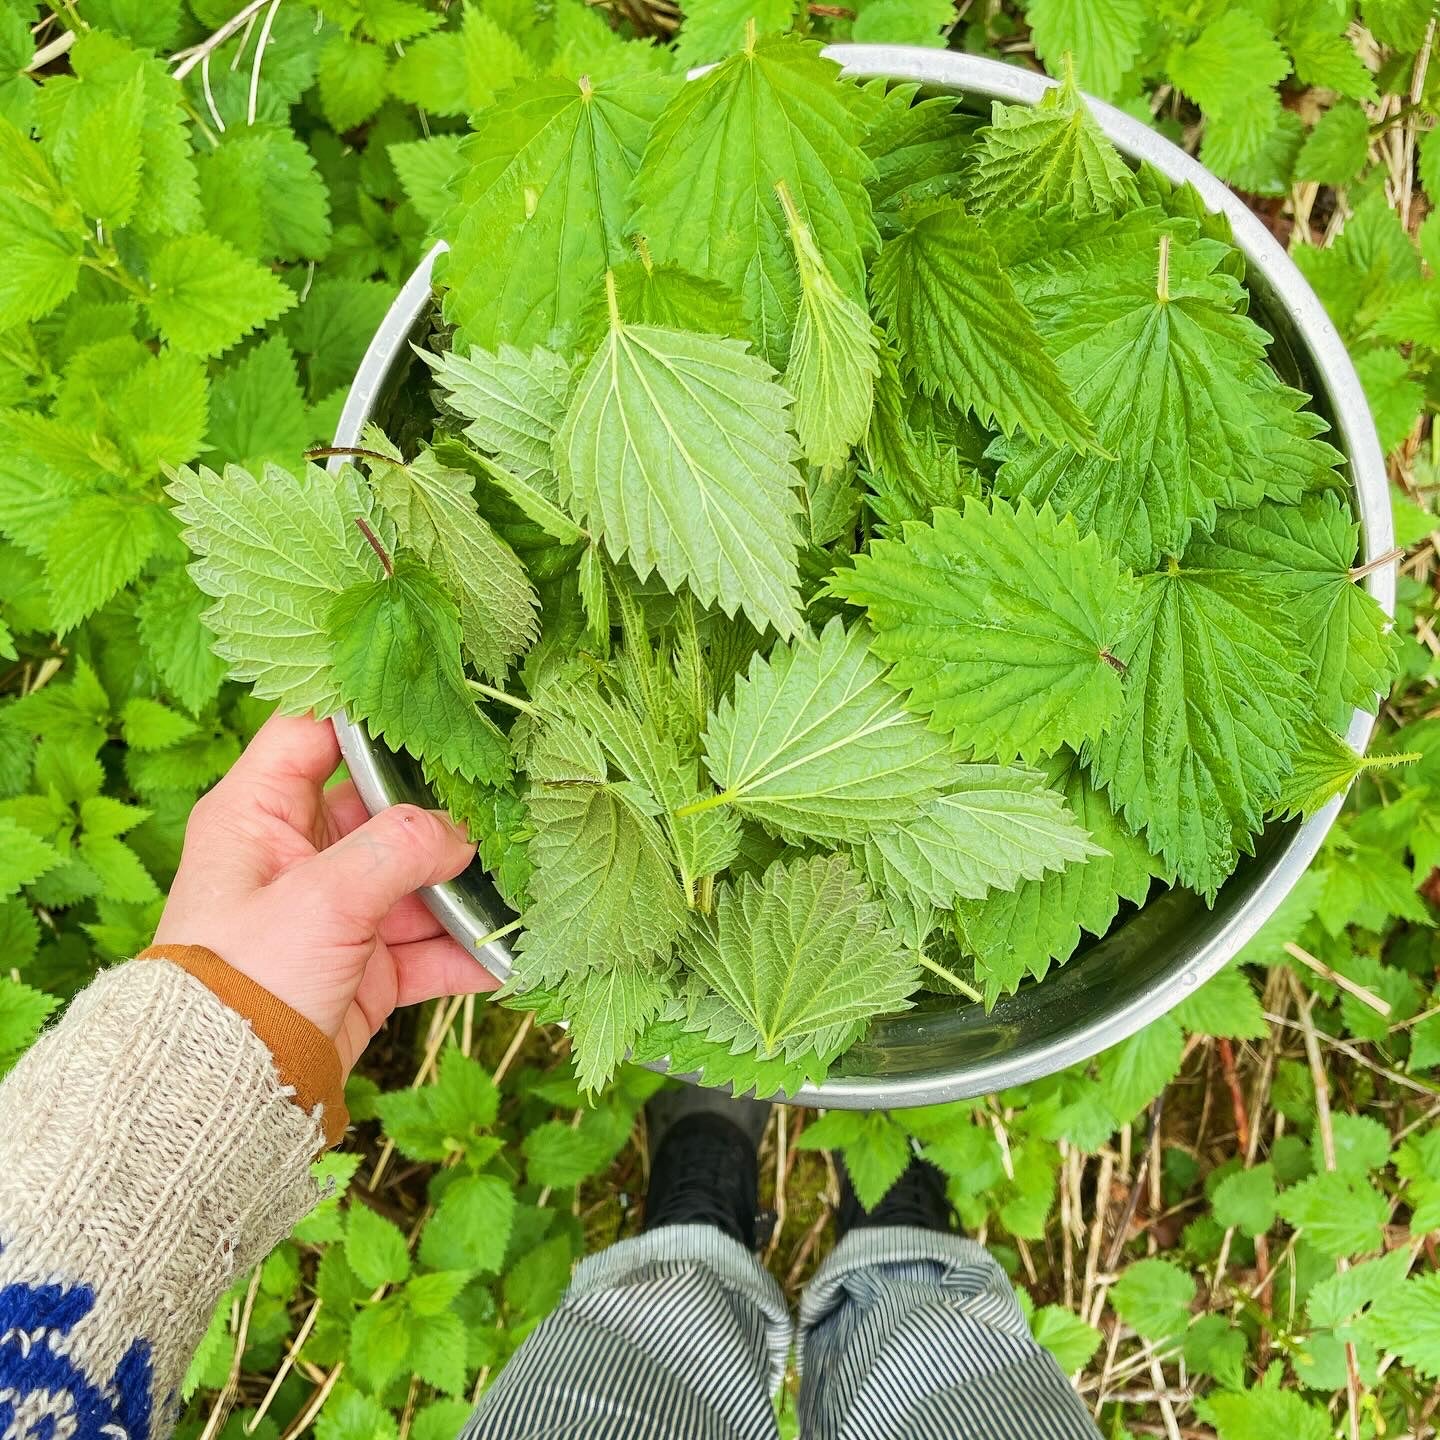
(1151, 960)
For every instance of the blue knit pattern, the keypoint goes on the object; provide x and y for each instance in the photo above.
(89, 1407)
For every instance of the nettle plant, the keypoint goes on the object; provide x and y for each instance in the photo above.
(915, 554)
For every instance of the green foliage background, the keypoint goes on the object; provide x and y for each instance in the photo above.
(192, 260)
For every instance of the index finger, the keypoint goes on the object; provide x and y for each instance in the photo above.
(282, 769)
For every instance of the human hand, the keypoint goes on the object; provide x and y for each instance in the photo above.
(294, 886)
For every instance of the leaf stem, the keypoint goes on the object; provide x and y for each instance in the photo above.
(491, 936)
(1162, 276)
(955, 980)
(612, 300)
(1359, 572)
(710, 802)
(376, 546)
(787, 204)
(504, 697)
(324, 452)
(1386, 762)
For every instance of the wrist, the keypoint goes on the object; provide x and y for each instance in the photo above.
(306, 1059)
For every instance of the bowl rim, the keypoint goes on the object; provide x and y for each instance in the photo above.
(982, 78)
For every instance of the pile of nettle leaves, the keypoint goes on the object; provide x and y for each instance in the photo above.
(881, 539)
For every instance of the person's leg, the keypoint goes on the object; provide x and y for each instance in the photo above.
(677, 1334)
(910, 1330)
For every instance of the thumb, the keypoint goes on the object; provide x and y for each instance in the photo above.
(377, 864)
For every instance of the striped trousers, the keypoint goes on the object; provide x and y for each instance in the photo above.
(681, 1334)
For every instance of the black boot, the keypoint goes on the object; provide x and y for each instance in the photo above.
(703, 1161)
(917, 1198)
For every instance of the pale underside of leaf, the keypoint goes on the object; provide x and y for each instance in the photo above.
(676, 450)
(435, 515)
(796, 959)
(1017, 933)
(273, 551)
(815, 743)
(608, 1010)
(513, 403)
(603, 882)
(996, 826)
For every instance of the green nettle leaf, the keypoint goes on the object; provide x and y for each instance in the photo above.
(677, 452)
(1303, 554)
(429, 169)
(471, 1225)
(1051, 154)
(1408, 1323)
(717, 28)
(543, 207)
(1145, 328)
(876, 1149)
(668, 295)
(995, 826)
(814, 743)
(706, 186)
(375, 1248)
(704, 843)
(429, 1123)
(42, 234)
(1003, 624)
(609, 1010)
(24, 856)
(98, 547)
(1136, 1070)
(1066, 1336)
(263, 193)
(258, 414)
(1015, 933)
(912, 469)
(796, 960)
(604, 885)
(1215, 686)
(834, 356)
(941, 289)
(1103, 37)
(204, 295)
(1225, 1005)
(1261, 1413)
(1322, 767)
(100, 158)
(1154, 1298)
(178, 641)
(1339, 1214)
(1246, 1200)
(512, 403)
(918, 150)
(274, 550)
(396, 659)
(435, 515)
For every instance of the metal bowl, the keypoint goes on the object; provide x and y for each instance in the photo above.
(944, 1049)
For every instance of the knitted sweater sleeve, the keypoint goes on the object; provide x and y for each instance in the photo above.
(150, 1154)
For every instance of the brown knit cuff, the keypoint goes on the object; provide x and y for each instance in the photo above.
(305, 1057)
